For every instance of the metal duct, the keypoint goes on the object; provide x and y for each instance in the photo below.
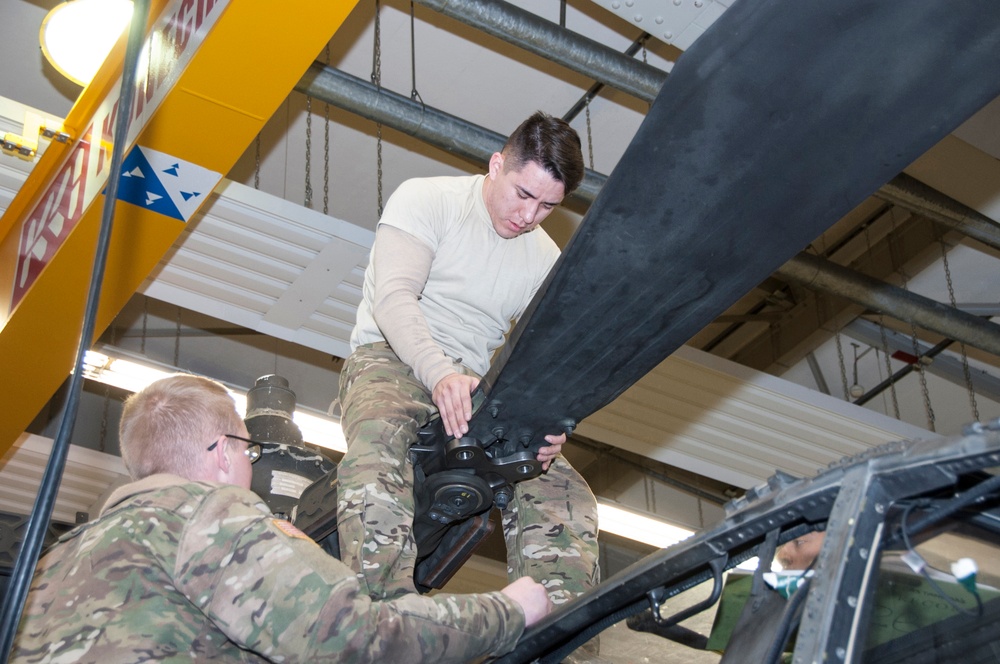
(912, 194)
(819, 274)
(423, 122)
(546, 39)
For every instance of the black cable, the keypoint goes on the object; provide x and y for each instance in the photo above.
(788, 621)
(718, 566)
(37, 525)
(923, 572)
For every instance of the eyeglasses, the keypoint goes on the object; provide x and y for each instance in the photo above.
(252, 451)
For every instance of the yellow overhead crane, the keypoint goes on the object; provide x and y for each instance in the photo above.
(212, 73)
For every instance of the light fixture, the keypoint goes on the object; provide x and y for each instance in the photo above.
(132, 376)
(647, 529)
(635, 526)
(77, 35)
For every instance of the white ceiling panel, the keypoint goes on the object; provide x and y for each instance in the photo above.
(85, 483)
(719, 419)
(268, 265)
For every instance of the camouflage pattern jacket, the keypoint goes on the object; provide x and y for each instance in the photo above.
(194, 571)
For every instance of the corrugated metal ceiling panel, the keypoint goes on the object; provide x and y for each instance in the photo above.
(88, 477)
(271, 266)
(719, 419)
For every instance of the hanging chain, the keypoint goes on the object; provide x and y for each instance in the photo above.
(590, 137)
(256, 163)
(101, 445)
(414, 95)
(923, 378)
(888, 365)
(145, 318)
(326, 147)
(885, 342)
(965, 356)
(177, 341)
(843, 368)
(916, 348)
(309, 189)
(377, 81)
(836, 336)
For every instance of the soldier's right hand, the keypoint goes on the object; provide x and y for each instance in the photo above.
(453, 397)
(531, 597)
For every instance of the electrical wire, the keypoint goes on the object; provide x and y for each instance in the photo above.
(37, 526)
(904, 530)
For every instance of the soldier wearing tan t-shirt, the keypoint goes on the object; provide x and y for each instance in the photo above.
(456, 261)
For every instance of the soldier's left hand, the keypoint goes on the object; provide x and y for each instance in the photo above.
(547, 454)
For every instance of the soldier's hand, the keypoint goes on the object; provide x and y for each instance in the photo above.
(531, 597)
(547, 454)
(453, 397)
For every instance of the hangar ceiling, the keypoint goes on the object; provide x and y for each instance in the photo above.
(267, 278)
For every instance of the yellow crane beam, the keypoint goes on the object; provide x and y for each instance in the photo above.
(212, 73)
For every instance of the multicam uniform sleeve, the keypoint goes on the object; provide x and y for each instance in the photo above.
(272, 590)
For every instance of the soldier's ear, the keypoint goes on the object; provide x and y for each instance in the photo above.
(496, 165)
(220, 461)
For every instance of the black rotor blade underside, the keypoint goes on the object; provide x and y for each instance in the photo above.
(778, 121)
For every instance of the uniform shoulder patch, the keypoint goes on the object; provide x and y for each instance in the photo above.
(289, 529)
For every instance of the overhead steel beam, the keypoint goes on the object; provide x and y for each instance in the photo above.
(819, 274)
(556, 44)
(949, 368)
(423, 122)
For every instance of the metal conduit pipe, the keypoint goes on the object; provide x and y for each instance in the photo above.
(819, 274)
(430, 125)
(546, 39)
(912, 194)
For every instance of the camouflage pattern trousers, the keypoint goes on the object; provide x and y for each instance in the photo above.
(550, 526)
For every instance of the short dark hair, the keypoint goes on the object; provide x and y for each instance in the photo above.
(552, 144)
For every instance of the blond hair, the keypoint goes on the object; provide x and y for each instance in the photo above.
(167, 426)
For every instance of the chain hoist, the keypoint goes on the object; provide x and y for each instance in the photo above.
(377, 81)
(308, 199)
(326, 146)
(885, 341)
(965, 356)
(913, 337)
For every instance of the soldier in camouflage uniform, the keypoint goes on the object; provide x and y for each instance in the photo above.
(455, 261)
(187, 564)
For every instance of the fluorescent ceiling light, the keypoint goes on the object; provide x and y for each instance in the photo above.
(132, 376)
(647, 529)
(77, 35)
(635, 526)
